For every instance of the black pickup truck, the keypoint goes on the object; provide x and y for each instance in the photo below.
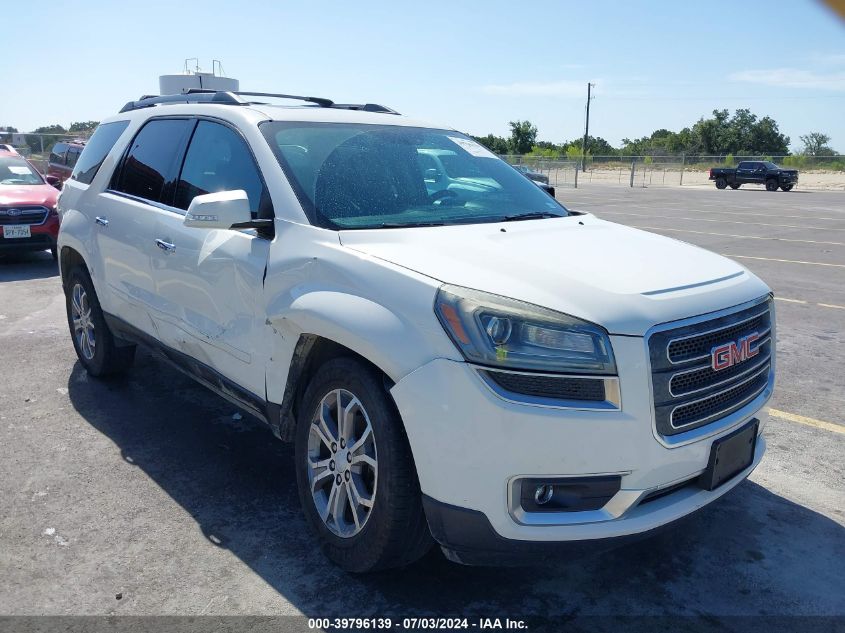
(755, 172)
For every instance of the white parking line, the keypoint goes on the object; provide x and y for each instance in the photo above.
(745, 237)
(801, 301)
(785, 261)
(675, 217)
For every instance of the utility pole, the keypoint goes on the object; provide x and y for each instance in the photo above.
(586, 130)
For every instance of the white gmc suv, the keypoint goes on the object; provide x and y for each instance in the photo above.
(457, 357)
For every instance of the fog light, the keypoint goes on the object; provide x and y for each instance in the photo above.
(543, 494)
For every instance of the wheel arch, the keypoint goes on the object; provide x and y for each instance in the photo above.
(310, 353)
(69, 258)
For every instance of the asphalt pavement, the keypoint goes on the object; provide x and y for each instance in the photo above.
(148, 495)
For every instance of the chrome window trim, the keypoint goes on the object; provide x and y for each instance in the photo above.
(612, 390)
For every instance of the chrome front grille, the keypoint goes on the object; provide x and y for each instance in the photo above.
(688, 391)
(26, 214)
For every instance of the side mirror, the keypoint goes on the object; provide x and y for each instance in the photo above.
(54, 181)
(222, 210)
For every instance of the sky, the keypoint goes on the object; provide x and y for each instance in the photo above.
(470, 65)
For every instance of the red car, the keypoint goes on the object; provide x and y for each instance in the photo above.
(28, 218)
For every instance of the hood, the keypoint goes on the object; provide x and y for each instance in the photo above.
(623, 279)
(44, 195)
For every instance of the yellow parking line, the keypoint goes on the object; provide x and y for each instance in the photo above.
(790, 300)
(831, 305)
(745, 237)
(801, 419)
(786, 261)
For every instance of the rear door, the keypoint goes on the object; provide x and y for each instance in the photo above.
(125, 218)
(209, 282)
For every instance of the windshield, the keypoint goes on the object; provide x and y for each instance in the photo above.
(16, 171)
(770, 165)
(358, 176)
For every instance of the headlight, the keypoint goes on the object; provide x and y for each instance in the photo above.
(500, 332)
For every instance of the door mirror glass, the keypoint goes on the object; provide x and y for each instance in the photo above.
(53, 180)
(221, 210)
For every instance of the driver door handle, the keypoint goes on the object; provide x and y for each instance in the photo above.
(101, 221)
(165, 246)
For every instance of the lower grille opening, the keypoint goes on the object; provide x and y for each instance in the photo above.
(654, 495)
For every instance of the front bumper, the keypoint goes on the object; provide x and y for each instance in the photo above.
(469, 445)
(42, 237)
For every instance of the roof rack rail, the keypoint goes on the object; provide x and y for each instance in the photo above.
(366, 107)
(192, 96)
(204, 95)
(320, 101)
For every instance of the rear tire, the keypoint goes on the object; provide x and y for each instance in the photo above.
(364, 503)
(93, 341)
(771, 185)
(787, 187)
(735, 186)
(721, 183)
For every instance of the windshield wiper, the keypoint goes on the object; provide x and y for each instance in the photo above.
(406, 225)
(537, 215)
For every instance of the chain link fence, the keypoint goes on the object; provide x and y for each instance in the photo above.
(36, 146)
(816, 172)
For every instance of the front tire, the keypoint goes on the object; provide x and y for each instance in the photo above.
(355, 474)
(721, 183)
(735, 186)
(787, 187)
(93, 341)
(771, 185)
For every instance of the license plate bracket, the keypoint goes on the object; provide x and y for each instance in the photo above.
(12, 231)
(730, 455)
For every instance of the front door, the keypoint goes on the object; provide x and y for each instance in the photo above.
(209, 282)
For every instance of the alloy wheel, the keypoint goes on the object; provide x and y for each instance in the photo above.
(342, 463)
(83, 322)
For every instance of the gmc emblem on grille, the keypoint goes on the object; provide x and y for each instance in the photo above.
(729, 354)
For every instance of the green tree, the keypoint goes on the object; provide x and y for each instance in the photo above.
(34, 142)
(496, 144)
(83, 127)
(816, 144)
(523, 137)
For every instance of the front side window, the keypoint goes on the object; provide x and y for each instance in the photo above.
(219, 160)
(96, 150)
(17, 171)
(151, 165)
(356, 176)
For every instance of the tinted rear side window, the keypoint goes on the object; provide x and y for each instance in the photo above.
(96, 150)
(218, 159)
(150, 168)
(57, 154)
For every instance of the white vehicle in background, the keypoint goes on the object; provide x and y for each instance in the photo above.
(457, 357)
